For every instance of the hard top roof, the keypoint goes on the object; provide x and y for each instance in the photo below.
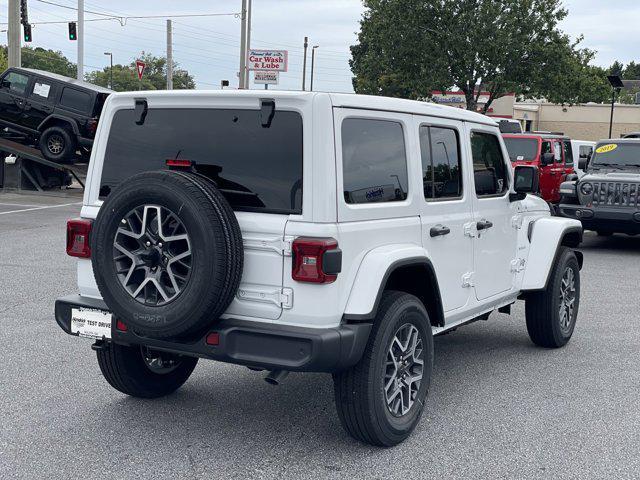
(62, 78)
(340, 100)
(620, 140)
(546, 136)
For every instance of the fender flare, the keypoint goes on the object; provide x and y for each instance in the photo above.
(375, 270)
(547, 236)
(55, 116)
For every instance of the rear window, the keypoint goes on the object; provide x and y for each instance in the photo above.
(521, 149)
(256, 168)
(75, 99)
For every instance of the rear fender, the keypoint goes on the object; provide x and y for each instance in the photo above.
(375, 270)
(547, 235)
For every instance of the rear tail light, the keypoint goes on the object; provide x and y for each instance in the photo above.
(92, 126)
(78, 230)
(316, 260)
(120, 325)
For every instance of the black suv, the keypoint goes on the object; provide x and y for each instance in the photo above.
(59, 114)
(607, 197)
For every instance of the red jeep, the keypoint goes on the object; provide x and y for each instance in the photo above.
(551, 153)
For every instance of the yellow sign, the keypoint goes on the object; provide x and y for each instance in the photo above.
(607, 148)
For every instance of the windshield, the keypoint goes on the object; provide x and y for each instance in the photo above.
(617, 155)
(522, 149)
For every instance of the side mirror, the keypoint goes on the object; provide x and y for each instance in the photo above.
(526, 180)
(547, 159)
(583, 163)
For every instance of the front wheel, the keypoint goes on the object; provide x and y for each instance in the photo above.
(551, 313)
(142, 372)
(380, 400)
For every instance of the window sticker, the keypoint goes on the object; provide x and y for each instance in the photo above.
(607, 148)
(41, 89)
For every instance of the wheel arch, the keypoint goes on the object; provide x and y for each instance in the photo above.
(547, 237)
(381, 271)
(59, 120)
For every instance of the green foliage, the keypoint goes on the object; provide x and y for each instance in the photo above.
(125, 77)
(408, 48)
(42, 59)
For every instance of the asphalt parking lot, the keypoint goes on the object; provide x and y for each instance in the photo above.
(498, 406)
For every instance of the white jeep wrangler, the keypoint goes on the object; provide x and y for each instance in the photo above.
(307, 232)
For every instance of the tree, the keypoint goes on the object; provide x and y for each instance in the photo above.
(408, 48)
(43, 59)
(125, 77)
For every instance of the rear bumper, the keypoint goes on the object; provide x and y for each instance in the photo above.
(610, 219)
(256, 344)
(85, 142)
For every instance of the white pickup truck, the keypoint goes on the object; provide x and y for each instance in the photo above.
(290, 231)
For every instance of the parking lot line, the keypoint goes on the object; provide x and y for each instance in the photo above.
(40, 208)
(4, 204)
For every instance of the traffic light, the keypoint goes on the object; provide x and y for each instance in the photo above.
(72, 31)
(27, 32)
(24, 16)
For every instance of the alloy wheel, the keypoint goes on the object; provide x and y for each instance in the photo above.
(55, 144)
(152, 255)
(403, 370)
(567, 299)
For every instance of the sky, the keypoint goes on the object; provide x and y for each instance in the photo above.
(209, 47)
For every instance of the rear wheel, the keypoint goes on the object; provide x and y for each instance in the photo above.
(551, 313)
(380, 400)
(58, 145)
(141, 372)
(167, 253)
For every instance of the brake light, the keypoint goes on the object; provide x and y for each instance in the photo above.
(176, 162)
(92, 126)
(316, 260)
(78, 230)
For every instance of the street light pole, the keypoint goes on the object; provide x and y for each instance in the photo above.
(313, 62)
(110, 69)
(80, 75)
(169, 56)
(13, 34)
(304, 64)
(616, 85)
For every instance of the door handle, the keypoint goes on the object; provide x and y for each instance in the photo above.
(484, 224)
(439, 231)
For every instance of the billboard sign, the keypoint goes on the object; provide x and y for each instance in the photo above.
(268, 60)
(266, 78)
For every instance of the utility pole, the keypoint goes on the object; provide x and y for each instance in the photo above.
(110, 69)
(80, 75)
(313, 62)
(169, 56)
(242, 74)
(304, 65)
(13, 34)
(247, 83)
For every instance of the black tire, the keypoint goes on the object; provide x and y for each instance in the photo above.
(126, 370)
(359, 392)
(64, 142)
(216, 257)
(544, 322)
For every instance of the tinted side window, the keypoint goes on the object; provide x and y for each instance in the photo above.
(441, 166)
(546, 147)
(374, 161)
(75, 99)
(568, 153)
(585, 151)
(489, 168)
(16, 82)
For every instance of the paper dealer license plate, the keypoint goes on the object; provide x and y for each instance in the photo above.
(91, 323)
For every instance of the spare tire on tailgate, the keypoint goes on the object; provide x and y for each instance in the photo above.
(167, 253)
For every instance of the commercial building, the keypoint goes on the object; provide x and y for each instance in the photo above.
(588, 121)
